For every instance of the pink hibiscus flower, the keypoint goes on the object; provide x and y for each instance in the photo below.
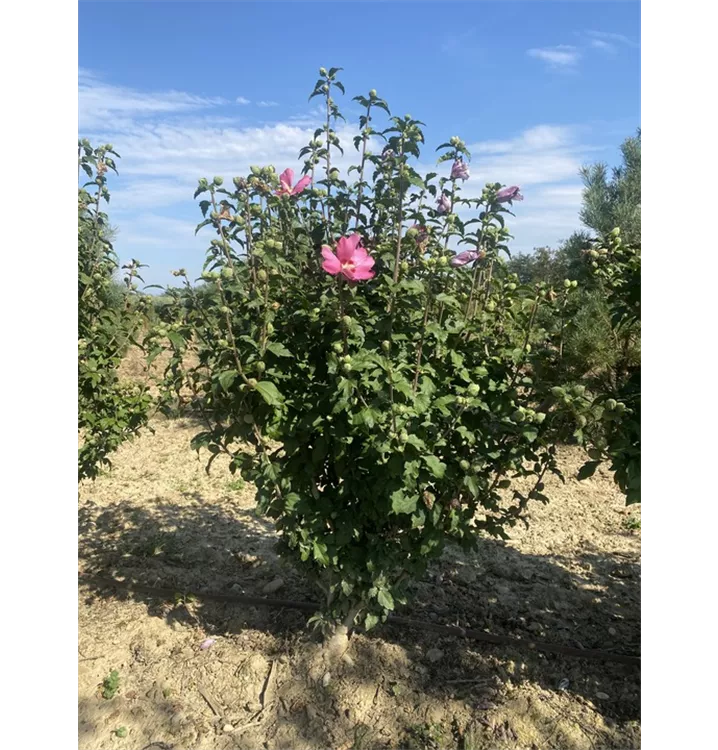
(285, 181)
(352, 261)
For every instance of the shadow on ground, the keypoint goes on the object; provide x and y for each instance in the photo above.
(404, 688)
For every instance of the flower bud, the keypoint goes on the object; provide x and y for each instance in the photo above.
(372, 94)
(252, 383)
(347, 367)
(473, 390)
(574, 283)
(227, 273)
(322, 71)
(567, 283)
(338, 347)
(218, 180)
(615, 232)
(404, 266)
(511, 287)
(256, 171)
(224, 310)
(386, 345)
(261, 367)
(611, 404)
(262, 274)
(465, 465)
(347, 320)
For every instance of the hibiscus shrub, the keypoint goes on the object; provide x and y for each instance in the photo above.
(109, 411)
(377, 388)
(616, 435)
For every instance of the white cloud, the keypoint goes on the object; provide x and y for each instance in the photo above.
(242, 100)
(267, 104)
(611, 37)
(102, 104)
(168, 145)
(604, 46)
(562, 56)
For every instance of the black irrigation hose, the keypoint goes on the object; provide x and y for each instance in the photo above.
(478, 635)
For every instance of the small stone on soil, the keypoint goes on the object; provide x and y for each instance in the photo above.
(602, 696)
(434, 654)
(273, 586)
(228, 728)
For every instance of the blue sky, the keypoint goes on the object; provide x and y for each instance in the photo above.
(193, 89)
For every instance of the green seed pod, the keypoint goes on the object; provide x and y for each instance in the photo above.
(262, 274)
(465, 465)
(615, 232)
(218, 180)
(252, 383)
(261, 367)
(347, 320)
(511, 287)
(578, 390)
(347, 367)
(574, 283)
(443, 261)
(611, 404)
(372, 94)
(557, 391)
(581, 421)
(386, 345)
(338, 347)
(227, 273)
(224, 310)
(491, 305)
(347, 358)
(256, 171)
(412, 232)
(404, 266)
(567, 283)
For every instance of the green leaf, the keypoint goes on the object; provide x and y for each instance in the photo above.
(371, 621)
(176, 339)
(227, 378)
(472, 485)
(436, 467)
(400, 503)
(320, 552)
(385, 599)
(269, 393)
(530, 435)
(588, 470)
(279, 349)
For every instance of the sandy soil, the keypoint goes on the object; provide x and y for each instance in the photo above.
(572, 577)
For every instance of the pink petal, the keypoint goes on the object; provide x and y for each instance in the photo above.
(361, 273)
(331, 263)
(346, 247)
(287, 178)
(208, 643)
(301, 184)
(366, 262)
(359, 254)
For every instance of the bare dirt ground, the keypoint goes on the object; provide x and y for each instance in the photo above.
(156, 518)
